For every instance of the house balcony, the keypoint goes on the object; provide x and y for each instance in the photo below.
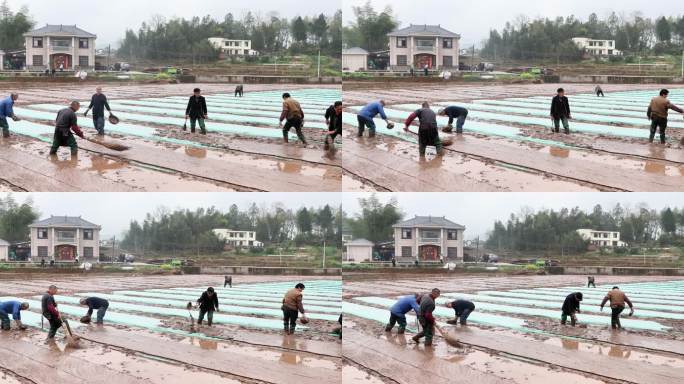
(60, 49)
(425, 49)
(430, 240)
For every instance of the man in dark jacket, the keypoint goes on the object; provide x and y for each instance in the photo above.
(208, 303)
(425, 317)
(333, 118)
(65, 123)
(239, 90)
(454, 112)
(49, 309)
(228, 280)
(570, 307)
(96, 303)
(427, 129)
(98, 103)
(560, 111)
(196, 111)
(293, 305)
(462, 309)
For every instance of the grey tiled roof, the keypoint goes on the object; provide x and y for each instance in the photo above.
(64, 221)
(59, 29)
(354, 51)
(424, 30)
(428, 221)
(4, 243)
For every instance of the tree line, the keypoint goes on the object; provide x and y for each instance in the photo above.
(545, 38)
(375, 219)
(13, 25)
(187, 38)
(191, 230)
(370, 28)
(15, 217)
(555, 230)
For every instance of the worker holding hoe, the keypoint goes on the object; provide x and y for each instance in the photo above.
(65, 123)
(462, 309)
(657, 113)
(294, 117)
(12, 307)
(617, 300)
(98, 103)
(571, 306)
(399, 310)
(208, 303)
(367, 114)
(7, 110)
(427, 129)
(426, 318)
(454, 112)
(333, 118)
(292, 306)
(50, 312)
(94, 303)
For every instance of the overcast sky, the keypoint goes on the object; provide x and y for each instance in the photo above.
(114, 211)
(478, 211)
(473, 19)
(110, 19)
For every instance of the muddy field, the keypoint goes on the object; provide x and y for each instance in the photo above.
(243, 150)
(148, 336)
(514, 335)
(508, 144)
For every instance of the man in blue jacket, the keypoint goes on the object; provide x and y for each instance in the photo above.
(12, 307)
(7, 110)
(399, 310)
(365, 117)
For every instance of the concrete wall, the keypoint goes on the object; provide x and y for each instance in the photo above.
(245, 270)
(612, 79)
(267, 79)
(602, 270)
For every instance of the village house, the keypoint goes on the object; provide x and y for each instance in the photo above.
(602, 238)
(4, 250)
(428, 239)
(230, 47)
(2, 60)
(358, 251)
(594, 47)
(419, 45)
(65, 239)
(238, 239)
(354, 59)
(59, 47)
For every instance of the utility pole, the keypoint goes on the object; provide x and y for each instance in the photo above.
(683, 65)
(324, 253)
(109, 53)
(472, 60)
(319, 71)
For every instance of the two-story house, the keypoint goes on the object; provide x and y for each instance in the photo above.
(601, 238)
(596, 47)
(239, 239)
(419, 45)
(229, 47)
(59, 47)
(65, 239)
(428, 238)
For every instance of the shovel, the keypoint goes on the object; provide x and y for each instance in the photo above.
(112, 146)
(72, 341)
(445, 142)
(449, 339)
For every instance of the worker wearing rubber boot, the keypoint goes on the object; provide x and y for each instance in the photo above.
(399, 310)
(292, 306)
(293, 116)
(365, 117)
(560, 111)
(13, 308)
(94, 303)
(50, 312)
(65, 123)
(427, 129)
(196, 111)
(571, 307)
(98, 103)
(454, 112)
(617, 300)
(426, 318)
(208, 303)
(462, 309)
(7, 110)
(333, 118)
(657, 113)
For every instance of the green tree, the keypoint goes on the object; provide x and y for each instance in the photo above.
(13, 25)
(369, 29)
(668, 221)
(376, 219)
(304, 221)
(15, 218)
(299, 30)
(663, 30)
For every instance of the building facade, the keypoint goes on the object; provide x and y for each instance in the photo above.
(230, 47)
(602, 238)
(4, 250)
(417, 46)
(65, 239)
(242, 239)
(428, 239)
(59, 47)
(595, 47)
(2, 60)
(354, 59)
(358, 251)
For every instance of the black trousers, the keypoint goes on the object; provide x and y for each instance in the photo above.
(615, 316)
(290, 318)
(658, 123)
(295, 123)
(55, 324)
